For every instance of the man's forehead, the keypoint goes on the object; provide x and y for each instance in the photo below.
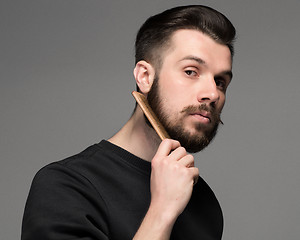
(194, 45)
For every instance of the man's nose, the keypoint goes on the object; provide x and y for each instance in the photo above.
(208, 91)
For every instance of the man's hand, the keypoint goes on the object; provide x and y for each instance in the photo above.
(172, 179)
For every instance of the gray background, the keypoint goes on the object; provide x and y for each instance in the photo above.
(66, 77)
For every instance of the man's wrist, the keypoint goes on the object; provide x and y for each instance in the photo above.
(157, 224)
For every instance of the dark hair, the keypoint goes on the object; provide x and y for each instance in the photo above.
(154, 35)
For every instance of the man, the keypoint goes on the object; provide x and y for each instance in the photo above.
(133, 186)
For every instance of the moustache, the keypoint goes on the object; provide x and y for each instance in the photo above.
(214, 115)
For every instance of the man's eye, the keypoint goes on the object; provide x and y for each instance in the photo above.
(221, 83)
(190, 73)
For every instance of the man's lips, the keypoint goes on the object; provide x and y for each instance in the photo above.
(202, 113)
(204, 116)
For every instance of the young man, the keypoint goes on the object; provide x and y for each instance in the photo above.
(133, 186)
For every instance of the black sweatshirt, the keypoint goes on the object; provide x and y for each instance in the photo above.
(104, 193)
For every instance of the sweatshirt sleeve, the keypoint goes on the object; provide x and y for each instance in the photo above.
(63, 204)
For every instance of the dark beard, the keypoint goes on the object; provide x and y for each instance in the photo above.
(191, 142)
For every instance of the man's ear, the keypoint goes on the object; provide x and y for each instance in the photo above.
(144, 74)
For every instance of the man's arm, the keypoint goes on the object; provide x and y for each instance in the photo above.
(172, 178)
(62, 204)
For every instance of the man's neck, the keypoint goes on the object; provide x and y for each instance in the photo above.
(137, 137)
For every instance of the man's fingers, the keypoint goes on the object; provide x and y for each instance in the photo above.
(178, 153)
(187, 161)
(167, 146)
(195, 174)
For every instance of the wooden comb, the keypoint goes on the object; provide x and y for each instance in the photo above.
(143, 103)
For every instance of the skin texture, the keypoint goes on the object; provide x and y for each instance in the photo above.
(186, 73)
(195, 71)
(193, 82)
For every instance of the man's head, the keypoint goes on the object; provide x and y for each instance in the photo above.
(154, 36)
(183, 65)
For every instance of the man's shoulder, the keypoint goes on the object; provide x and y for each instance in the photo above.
(81, 164)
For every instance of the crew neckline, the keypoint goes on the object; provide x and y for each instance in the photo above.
(130, 158)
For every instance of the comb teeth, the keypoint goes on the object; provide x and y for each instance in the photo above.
(143, 103)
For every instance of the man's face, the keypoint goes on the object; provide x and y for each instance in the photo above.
(189, 93)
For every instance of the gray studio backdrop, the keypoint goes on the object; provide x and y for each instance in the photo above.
(66, 77)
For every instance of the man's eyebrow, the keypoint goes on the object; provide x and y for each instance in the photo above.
(194, 58)
(202, 62)
(228, 73)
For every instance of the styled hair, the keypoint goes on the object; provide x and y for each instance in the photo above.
(154, 35)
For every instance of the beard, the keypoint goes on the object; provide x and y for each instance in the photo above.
(192, 142)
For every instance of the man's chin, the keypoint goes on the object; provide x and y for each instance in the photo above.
(195, 140)
(193, 146)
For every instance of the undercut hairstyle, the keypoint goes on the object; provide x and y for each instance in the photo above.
(154, 36)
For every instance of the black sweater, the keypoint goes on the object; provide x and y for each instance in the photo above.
(104, 193)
